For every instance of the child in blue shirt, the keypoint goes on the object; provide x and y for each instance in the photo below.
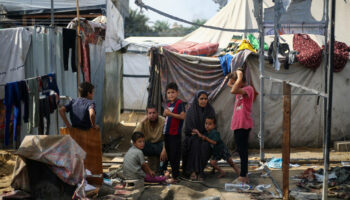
(82, 109)
(219, 150)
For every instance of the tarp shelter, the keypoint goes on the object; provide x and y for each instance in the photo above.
(136, 70)
(307, 111)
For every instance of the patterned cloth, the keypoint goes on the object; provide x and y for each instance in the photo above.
(341, 55)
(190, 73)
(310, 54)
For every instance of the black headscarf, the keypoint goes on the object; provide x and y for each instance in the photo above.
(195, 116)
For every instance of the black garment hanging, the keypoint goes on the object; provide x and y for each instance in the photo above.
(69, 36)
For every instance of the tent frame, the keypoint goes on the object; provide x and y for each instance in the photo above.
(327, 95)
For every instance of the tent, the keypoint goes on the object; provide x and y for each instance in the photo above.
(136, 70)
(307, 110)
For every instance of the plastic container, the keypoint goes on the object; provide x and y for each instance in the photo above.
(235, 187)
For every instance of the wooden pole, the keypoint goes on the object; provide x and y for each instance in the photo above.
(78, 44)
(286, 138)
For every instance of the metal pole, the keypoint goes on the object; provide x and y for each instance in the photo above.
(51, 38)
(261, 69)
(52, 14)
(326, 11)
(329, 105)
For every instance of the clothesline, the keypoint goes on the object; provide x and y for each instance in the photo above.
(26, 79)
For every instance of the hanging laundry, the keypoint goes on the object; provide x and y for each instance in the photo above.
(44, 115)
(48, 83)
(69, 36)
(85, 56)
(33, 92)
(239, 59)
(245, 45)
(15, 44)
(283, 50)
(256, 43)
(15, 93)
(225, 62)
(310, 54)
(341, 55)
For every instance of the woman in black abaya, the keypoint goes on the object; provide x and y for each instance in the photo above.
(196, 151)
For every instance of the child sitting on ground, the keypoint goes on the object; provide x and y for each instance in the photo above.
(134, 165)
(220, 150)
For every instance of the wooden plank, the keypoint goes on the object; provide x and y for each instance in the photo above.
(286, 138)
(78, 44)
(24, 21)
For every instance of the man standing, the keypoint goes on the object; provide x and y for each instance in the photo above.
(152, 128)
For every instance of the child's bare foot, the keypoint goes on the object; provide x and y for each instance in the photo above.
(222, 174)
(243, 179)
(170, 181)
(166, 173)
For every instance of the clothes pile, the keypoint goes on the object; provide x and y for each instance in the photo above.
(338, 184)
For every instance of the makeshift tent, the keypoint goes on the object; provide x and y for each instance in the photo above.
(238, 14)
(136, 70)
(307, 111)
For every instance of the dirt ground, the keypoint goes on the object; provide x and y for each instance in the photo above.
(7, 164)
(212, 188)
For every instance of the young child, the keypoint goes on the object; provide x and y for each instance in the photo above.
(134, 165)
(175, 115)
(220, 150)
(82, 109)
(242, 121)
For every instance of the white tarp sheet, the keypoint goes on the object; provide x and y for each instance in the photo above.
(115, 29)
(239, 14)
(135, 88)
(136, 62)
(15, 43)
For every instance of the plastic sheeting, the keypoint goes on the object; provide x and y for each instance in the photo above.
(112, 91)
(135, 88)
(115, 29)
(61, 153)
(239, 14)
(25, 5)
(97, 66)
